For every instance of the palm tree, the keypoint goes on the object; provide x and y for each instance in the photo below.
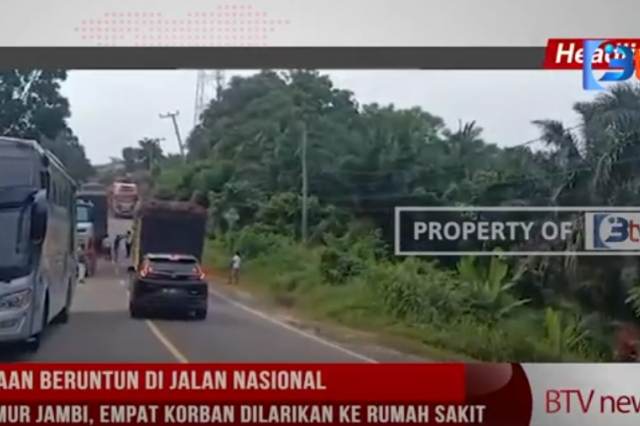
(601, 155)
(149, 153)
(601, 161)
(130, 159)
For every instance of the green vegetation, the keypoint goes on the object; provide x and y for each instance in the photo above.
(32, 107)
(365, 159)
(141, 162)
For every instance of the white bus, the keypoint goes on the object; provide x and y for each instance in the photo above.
(38, 266)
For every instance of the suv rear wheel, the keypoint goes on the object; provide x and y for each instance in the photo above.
(200, 314)
(134, 311)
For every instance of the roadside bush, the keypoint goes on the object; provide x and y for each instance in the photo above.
(252, 242)
(471, 310)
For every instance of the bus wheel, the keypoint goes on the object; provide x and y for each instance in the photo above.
(33, 343)
(63, 316)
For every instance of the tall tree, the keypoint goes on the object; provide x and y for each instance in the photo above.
(32, 107)
(150, 153)
(68, 149)
(363, 160)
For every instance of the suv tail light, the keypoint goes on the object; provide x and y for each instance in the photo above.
(199, 272)
(145, 269)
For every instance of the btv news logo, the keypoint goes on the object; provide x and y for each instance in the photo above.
(625, 58)
(615, 231)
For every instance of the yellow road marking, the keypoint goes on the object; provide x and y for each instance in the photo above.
(177, 354)
(164, 340)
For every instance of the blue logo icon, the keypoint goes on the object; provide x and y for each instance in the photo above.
(610, 230)
(625, 62)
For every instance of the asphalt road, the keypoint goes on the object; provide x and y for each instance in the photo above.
(100, 330)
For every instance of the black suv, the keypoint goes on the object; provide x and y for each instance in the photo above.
(171, 283)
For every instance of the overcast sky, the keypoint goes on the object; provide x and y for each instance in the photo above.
(114, 109)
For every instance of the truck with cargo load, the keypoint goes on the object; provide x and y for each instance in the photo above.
(168, 227)
(167, 247)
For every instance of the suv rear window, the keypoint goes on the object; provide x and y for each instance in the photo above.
(169, 265)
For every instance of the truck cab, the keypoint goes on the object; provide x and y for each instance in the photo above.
(97, 196)
(87, 242)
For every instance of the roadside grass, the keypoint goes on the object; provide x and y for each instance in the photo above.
(324, 310)
(410, 306)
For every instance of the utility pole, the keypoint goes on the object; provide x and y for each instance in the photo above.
(305, 185)
(172, 116)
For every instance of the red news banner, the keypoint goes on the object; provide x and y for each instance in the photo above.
(566, 53)
(291, 394)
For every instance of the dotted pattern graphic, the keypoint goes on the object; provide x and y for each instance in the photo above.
(228, 25)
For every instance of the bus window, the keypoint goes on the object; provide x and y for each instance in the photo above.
(16, 171)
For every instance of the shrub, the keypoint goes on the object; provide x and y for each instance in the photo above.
(472, 310)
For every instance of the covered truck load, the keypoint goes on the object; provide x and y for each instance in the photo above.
(97, 195)
(172, 227)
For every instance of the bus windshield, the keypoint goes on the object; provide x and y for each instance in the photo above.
(16, 171)
(14, 243)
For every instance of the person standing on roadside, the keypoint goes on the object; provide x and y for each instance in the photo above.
(116, 247)
(82, 268)
(128, 242)
(234, 272)
(106, 247)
